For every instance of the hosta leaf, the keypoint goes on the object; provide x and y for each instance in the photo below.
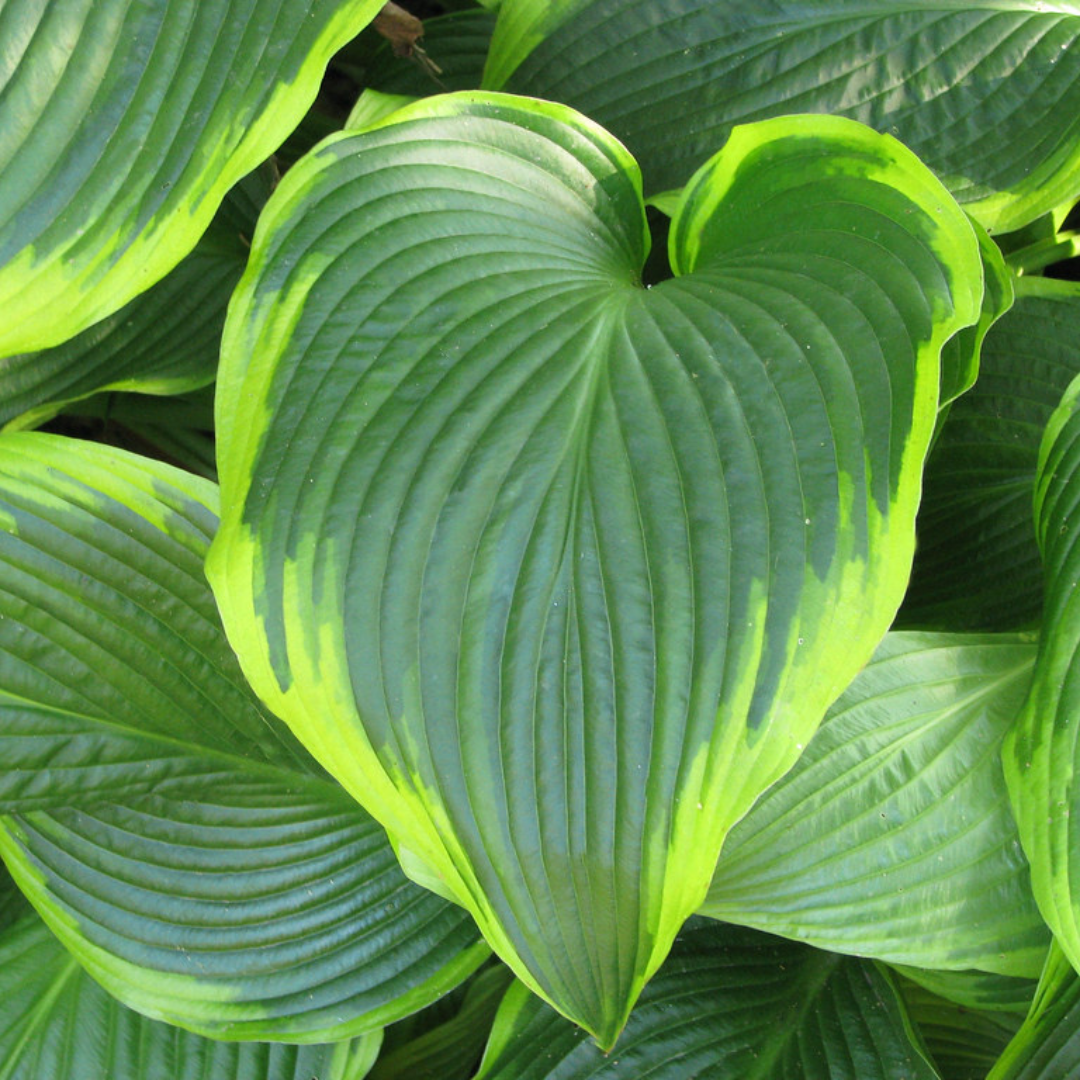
(13, 904)
(1041, 752)
(987, 93)
(977, 990)
(455, 46)
(165, 341)
(169, 830)
(1047, 1046)
(451, 1050)
(729, 1004)
(556, 573)
(372, 106)
(962, 353)
(122, 126)
(891, 837)
(56, 1022)
(178, 428)
(964, 1043)
(977, 565)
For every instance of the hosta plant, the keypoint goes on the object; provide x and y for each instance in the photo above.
(587, 586)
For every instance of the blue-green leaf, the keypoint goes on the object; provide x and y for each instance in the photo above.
(123, 125)
(169, 829)
(891, 837)
(56, 1022)
(987, 93)
(554, 572)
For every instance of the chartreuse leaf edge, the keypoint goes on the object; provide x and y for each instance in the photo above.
(559, 573)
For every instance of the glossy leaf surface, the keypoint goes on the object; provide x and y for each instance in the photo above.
(1047, 1046)
(164, 341)
(729, 1004)
(979, 991)
(56, 1022)
(1042, 751)
(170, 830)
(988, 94)
(964, 1044)
(891, 837)
(557, 573)
(123, 125)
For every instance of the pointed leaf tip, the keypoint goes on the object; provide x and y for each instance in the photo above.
(558, 572)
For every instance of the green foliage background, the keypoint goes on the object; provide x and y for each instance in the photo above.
(542, 550)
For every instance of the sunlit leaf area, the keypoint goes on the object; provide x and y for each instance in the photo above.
(539, 540)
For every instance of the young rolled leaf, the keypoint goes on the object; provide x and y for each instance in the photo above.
(1042, 751)
(977, 566)
(729, 1004)
(987, 93)
(891, 837)
(1047, 1046)
(556, 573)
(56, 1022)
(170, 831)
(122, 126)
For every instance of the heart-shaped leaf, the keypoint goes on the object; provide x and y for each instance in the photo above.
(729, 1004)
(891, 837)
(987, 93)
(1042, 752)
(56, 1022)
(170, 831)
(123, 125)
(557, 573)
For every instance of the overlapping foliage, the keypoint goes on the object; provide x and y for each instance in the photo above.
(532, 685)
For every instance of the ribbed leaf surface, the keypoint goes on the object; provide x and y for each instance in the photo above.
(1042, 752)
(13, 904)
(165, 341)
(170, 830)
(729, 1004)
(891, 837)
(960, 359)
(56, 1022)
(977, 566)
(975, 990)
(456, 43)
(987, 93)
(451, 1050)
(123, 125)
(1047, 1046)
(963, 1043)
(175, 427)
(554, 572)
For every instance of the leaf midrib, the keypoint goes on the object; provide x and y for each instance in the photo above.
(39, 1015)
(805, 991)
